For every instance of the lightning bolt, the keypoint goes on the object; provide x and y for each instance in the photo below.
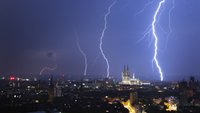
(170, 27)
(49, 68)
(148, 30)
(145, 6)
(95, 60)
(84, 55)
(151, 30)
(155, 60)
(102, 36)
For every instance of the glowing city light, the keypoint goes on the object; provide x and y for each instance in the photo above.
(128, 106)
(170, 106)
(12, 78)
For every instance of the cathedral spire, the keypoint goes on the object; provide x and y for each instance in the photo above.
(124, 68)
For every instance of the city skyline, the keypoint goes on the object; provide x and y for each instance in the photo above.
(30, 31)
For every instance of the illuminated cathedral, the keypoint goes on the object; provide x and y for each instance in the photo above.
(128, 80)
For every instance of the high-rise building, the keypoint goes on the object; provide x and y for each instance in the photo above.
(133, 98)
(51, 89)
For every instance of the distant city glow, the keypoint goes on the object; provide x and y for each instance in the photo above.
(170, 106)
(128, 106)
(3, 78)
(12, 78)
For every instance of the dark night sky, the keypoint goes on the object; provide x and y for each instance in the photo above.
(31, 29)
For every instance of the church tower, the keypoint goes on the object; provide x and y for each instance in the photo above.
(126, 75)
